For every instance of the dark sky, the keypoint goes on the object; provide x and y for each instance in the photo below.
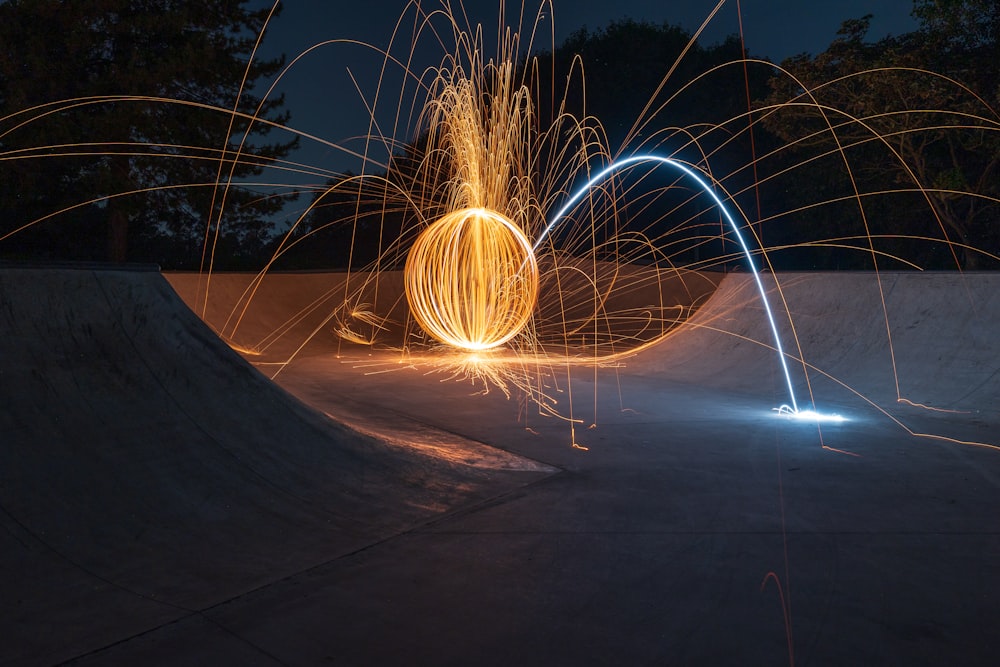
(324, 102)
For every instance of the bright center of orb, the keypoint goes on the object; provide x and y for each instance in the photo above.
(471, 279)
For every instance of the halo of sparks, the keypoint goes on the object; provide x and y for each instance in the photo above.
(471, 279)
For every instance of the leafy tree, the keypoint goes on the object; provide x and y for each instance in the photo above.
(623, 65)
(356, 221)
(99, 99)
(966, 36)
(917, 110)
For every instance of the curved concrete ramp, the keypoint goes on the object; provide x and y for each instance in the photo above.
(919, 347)
(147, 472)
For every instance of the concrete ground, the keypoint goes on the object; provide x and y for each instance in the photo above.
(164, 504)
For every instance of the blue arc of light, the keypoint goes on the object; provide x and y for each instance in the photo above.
(699, 177)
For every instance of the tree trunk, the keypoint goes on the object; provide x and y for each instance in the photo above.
(117, 234)
(118, 208)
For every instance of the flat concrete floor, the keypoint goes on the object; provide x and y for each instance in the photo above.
(698, 529)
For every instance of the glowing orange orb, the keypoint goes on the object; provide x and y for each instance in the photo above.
(471, 279)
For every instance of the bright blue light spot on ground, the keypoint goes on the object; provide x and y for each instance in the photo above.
(809, 415)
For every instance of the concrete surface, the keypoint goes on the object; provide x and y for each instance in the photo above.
(698, 529)
(148, 473)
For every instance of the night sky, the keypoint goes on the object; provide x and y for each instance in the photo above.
(324, 101)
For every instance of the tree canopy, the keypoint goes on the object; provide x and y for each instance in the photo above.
(880, 152)
(912, 118)
(883, 148)
(621, 70)
(126, 104)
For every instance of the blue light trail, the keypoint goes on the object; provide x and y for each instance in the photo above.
(699, 177)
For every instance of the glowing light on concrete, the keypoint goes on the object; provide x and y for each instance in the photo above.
(809, 415)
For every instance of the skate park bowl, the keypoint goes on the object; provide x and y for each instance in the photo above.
(170, 496)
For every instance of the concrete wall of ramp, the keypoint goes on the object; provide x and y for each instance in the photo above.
(932, 335)
(936, 334)
(147, 472)
(272, 316)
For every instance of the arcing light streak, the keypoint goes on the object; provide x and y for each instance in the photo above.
(699, 177)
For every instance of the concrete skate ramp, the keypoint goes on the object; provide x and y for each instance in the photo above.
(147, 472)
(179, 534)
(885, 341)
(271, 316)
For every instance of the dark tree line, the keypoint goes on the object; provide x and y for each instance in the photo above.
(874, 165)
(76, 80)
(881, 138)
(653, 91)
(623, 66)
(915, 115)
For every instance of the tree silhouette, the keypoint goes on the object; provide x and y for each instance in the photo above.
(911, 111)
(110, 97)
